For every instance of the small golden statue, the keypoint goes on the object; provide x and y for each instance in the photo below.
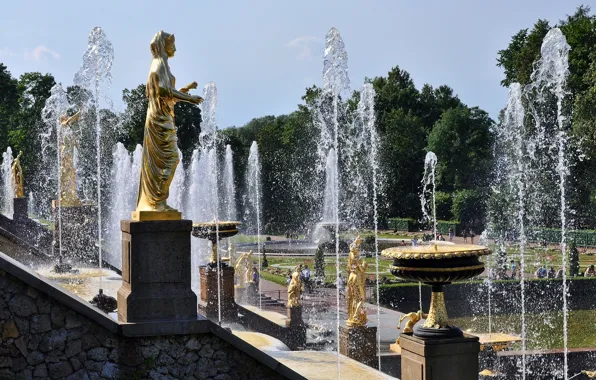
(590, 374)
(413, 318)
(241, 269)
(17, 177)
(231, 252)
(356, 295)
(68, 175)
(160, 149)
(295, 287)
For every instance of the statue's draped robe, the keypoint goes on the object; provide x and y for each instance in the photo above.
(160, 149)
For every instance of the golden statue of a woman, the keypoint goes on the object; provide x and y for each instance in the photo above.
(17, 177)
(68, 176)
(294, 288)
(356, 295)
(160, 149)
(241, 270)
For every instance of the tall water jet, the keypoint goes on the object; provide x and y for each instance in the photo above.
(253, 207)
(336, 87)
(55, 107)
(229, 190)
(429, 210)
(549, 79)
(330, 205)
(366, 115)
(95, 75)
(7, 187)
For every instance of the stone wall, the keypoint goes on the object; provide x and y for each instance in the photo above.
(44, 338)
(465, 299)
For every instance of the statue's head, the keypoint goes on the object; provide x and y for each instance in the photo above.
(163, 45)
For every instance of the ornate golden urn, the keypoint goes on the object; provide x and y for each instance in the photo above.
(437, 265)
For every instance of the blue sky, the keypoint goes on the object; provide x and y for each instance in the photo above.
(263, 54)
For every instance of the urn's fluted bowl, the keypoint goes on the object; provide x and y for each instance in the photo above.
(214, 230)
(434, 263)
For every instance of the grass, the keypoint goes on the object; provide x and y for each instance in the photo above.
(273, 278)
(330, 268)
(543, 331)
(534, 257)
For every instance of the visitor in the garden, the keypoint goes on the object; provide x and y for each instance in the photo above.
(559, 273)
(450, 233)
(541, 272)
(513, 270)
(590, 272)
(551, 273)
(340, 285)
(519, 272)
(255, 276)
(465, 235)
(306, 273)
(472, 236)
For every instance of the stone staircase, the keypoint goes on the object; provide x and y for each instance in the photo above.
(266, 301)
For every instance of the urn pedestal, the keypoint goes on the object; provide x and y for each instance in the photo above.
(296, 326)
(209, 292)
(359, 343)
(20, 209)
(439, 359)
(156, 272)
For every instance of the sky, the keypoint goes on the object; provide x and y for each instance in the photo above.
(263, 54)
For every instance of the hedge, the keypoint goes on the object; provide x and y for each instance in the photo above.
(401, 224)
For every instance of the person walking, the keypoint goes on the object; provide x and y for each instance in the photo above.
(465, 235)
(450, 233)
(472, 236)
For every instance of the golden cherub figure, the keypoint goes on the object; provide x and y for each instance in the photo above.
(413, 318)
(356, 296)
(17, 177)
(240, 269)
(294, 288)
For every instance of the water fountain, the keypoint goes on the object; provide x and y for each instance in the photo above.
(229, 189)
(253, 211)
(429, 210)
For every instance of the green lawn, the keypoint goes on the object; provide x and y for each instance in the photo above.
(543, 331)
(534, 257)
(287, 263)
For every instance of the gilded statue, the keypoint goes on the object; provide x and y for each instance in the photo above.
(294, 288)
(231, 252)
(160, 149)
(590, 374)
(356, 296)
(68, 176)
(17, 177)
(413, 318)
(241, 270)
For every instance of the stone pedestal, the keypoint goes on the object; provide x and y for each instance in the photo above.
(209, 292)
(439, 359)
(359, 343)
(20, 207)
(296, 326)
(156, 272)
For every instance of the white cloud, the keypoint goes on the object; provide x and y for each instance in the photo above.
(41, 52)
(304, 46)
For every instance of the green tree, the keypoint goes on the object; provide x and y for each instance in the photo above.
(462, 141)
(573, 260)
(9, 104)
(34, 89)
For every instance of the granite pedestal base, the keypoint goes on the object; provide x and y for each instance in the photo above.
(359, 343)
(20, 209)
(439, 359)
(209, 292)
(156, 272)
(296, 327)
